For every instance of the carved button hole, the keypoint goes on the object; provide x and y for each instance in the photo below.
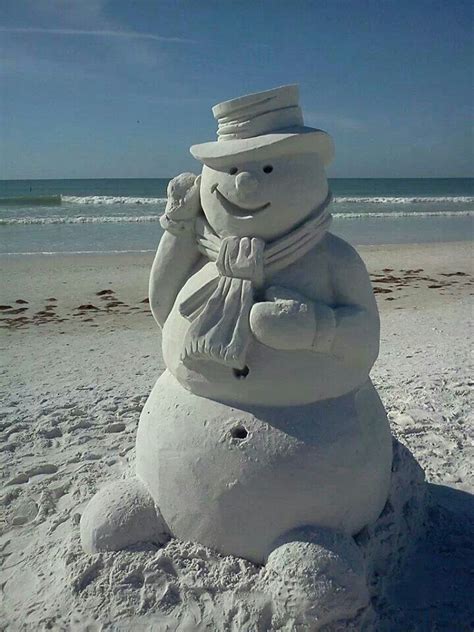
(241, 374)
(239, 432)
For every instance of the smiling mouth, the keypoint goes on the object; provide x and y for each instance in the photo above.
(233, 209)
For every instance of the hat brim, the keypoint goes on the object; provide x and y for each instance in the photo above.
(284, 142)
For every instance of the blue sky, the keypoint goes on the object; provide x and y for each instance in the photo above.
(96, 88)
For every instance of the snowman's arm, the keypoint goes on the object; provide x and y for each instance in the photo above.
(347, 329)
(350, 328)
(174, 261)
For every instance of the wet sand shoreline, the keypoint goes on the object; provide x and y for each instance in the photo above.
(73, 290)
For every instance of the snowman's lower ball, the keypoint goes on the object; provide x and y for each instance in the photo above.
(236, 478)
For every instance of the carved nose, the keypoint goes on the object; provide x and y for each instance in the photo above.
(245, 182)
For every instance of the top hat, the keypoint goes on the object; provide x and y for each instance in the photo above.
(270, 122)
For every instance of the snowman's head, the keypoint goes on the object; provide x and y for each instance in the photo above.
(262, 195)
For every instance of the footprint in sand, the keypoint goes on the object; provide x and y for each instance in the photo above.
(25, 511)
(24, 477)
(87, 575)
(115, 427)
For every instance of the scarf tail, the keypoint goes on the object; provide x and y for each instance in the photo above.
(221, 331)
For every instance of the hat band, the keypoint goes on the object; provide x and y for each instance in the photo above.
(265, 123)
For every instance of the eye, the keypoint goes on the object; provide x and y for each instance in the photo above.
(233, 171)
(267, 169)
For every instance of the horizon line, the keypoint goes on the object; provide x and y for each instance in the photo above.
(170, 177)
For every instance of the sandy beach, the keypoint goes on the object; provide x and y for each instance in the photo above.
(81, 352)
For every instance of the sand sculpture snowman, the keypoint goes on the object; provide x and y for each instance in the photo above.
(265, 437)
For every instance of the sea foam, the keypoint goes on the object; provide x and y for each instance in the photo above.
(111, 199)
(141, 219)
(403, 200)
(118, 219)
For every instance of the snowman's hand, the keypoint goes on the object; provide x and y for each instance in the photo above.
(287, 320)
(183, 204)
(278, 293)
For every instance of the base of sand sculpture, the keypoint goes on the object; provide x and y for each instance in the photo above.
(238, 478)
(372, 562)
(314, 576)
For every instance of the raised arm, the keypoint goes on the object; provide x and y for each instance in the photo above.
(172, 266)
(177, 252)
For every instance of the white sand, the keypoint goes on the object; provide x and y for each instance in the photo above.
(72, 392)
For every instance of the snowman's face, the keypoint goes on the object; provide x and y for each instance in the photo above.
(262, 198)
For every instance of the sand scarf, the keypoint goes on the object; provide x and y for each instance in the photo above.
(219, 310)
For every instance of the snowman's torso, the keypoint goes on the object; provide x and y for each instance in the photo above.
(275, 377)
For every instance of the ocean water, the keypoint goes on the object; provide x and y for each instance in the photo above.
(121, 215)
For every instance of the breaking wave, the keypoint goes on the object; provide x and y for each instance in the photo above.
(143, 219)
(111, 199)
(402, 200)
(395, 214)
(119, 219)
(57, 200)
(68, 253)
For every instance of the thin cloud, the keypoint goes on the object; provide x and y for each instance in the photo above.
(100, 33)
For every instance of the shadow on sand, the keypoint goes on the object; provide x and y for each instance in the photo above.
(436, 589)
